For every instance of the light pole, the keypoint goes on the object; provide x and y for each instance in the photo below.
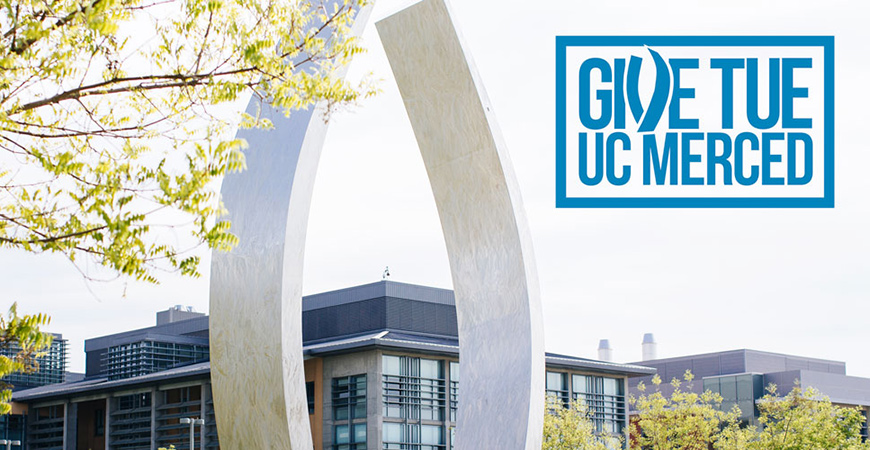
(9, 443)
(193, 422)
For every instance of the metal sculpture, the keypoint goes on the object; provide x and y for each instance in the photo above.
(501, 349)
(256, 340)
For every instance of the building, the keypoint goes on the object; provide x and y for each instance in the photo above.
(742, 376)
(381, 367)
(180, 337)
(52, 365)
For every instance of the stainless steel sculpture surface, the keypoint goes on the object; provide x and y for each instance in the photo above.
(501, 349)
(255, 329)
(255, 324)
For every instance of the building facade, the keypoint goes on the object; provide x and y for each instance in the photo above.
(382, 372)
(179, 338)
(742, 377)
(51, 365)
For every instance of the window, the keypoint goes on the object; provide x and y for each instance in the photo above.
(350, 437)
(432, 437)
(605, 399)
(394, 435)
(349, 398)
(131, 421)
(557, 385)
(144, 357)
(99, 422)
(134, 401)
(454, 389)
(309, 394)
(401, 436)
(349, 412)
(737, 390)
(414, 388)
(864, 434)
(415, 392)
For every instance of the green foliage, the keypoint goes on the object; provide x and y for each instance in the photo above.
(801, 420)
(571, 428)
(115, 124)
(22, 333)
(685, 420)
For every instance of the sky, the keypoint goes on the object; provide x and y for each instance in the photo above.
(793, 281)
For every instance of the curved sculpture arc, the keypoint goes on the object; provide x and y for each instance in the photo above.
(501, 349)
(255, 326)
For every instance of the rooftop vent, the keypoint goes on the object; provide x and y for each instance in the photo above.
(649, 347)
(605, 353)
(176, 314)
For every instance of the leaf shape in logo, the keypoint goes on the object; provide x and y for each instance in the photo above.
(650, 119)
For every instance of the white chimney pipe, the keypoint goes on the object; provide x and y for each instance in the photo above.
(605, 353)
(649, 347)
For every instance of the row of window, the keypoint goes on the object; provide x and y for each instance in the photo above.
(603, 396)
(406, 436)
(142, 358)
(349, 412)
(416, 388)
(418, 391)
(52, 365)
(350, 436)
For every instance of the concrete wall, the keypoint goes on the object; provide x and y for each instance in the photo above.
(367, 363)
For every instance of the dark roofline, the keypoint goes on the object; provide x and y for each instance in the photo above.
(400, 341)
(126, 337)
(383, 340)
(379, 289)
(99, 385)
(383, 288)
(573, 362)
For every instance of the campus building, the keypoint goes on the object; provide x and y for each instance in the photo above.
(381, 367)
(179, 338)
(742, 377)
(52, 369)
(52, 365)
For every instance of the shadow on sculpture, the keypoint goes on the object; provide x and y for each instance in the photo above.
(256, 306)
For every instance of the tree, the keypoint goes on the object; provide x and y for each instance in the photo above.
(803, 419)
(21, 340)
(683, 421)
(116, 116)
(571, 428)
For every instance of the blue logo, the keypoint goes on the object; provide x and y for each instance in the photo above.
(695, 122)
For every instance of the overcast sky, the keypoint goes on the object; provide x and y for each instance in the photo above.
(792, 281)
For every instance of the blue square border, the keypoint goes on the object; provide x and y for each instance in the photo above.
(563, 201)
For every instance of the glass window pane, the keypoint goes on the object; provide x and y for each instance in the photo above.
(342, 434)
(392, 365)
(431, 434)
(359, 432)
(612, 386)
(430, 369)
(309, 393)
(554, 381)
(359, 411)
(579, 383)
(712, 385)
(728, 387)
(341, 413)
(392, 432)
(744, 387)
(454, 371)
